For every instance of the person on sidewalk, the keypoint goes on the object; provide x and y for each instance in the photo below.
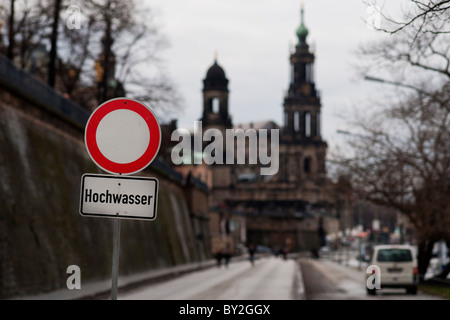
(227, 255)
(219, 257)
(251, 253)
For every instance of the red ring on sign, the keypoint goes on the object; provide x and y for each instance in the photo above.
(91, 132)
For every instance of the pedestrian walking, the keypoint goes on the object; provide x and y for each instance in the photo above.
(251, 252)
(219, 257)
(227, 256)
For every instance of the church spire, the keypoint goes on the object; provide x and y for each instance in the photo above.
(302, 31)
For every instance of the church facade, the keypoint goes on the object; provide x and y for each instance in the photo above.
(293, 208)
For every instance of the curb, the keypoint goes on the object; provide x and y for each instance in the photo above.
(101, 289)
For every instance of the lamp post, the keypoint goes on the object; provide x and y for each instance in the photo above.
(399, 84)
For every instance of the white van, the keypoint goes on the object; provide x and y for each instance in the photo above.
(398, 267)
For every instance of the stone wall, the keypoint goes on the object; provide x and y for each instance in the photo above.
(42, 159)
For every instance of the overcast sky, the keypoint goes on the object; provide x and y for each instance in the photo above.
(252, 38)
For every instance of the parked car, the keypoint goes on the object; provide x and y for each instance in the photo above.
(240, 249)
(263, 249)
(398, 267)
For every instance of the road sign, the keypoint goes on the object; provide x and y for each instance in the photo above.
(118, 196)
(122, 136)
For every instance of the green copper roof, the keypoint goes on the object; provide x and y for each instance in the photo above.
(302, 31)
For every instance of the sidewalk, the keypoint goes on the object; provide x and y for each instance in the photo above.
(348, 263)
(349, 258)
(102, 288)
(346, 258)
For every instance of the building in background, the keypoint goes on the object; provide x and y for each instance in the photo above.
(293, 208)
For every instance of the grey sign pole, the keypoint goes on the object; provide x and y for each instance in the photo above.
(115, 259)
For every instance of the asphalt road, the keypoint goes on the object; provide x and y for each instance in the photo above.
(327, 280)
(271, 278)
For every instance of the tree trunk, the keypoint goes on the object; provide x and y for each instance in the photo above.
(424, 256)
(107, 52)
(53, 49)
(446, 271)
(10, 52)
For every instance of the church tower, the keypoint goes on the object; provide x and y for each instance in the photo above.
(301, 129)
(216, 116)
(215, 98)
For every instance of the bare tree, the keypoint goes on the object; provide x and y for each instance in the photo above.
(75, 53)
(418, 47)
(400, 156)
(424, 16)
(401, 159)
(115, 52)
(27, 28)
(123, 44)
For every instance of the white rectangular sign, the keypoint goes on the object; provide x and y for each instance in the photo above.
(119, 197)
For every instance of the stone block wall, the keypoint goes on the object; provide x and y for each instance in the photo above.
(42, 159)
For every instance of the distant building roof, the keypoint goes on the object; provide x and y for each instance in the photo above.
(266, 124)
(215, 78)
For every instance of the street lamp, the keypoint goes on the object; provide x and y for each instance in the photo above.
(370, 78)
(374, 79)
(399, 84)
(344, 132)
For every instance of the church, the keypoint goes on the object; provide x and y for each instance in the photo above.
(297, 206)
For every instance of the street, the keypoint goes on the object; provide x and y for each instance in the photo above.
(271, 278)
(327, 280)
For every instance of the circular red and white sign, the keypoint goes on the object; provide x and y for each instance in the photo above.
(122, 136)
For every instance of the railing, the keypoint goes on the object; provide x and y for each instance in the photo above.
(37, 92)
(199, 184)
(164, 168)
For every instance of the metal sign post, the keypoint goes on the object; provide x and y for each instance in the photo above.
(115, 259)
